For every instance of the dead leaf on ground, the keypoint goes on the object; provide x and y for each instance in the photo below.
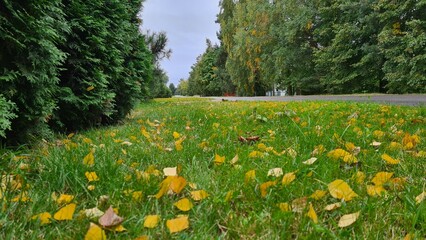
(110, 218)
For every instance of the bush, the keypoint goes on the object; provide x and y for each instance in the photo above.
(30, 60)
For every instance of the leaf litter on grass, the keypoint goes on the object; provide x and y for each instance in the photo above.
(298, 165)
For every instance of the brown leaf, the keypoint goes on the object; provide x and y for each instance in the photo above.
(110, 218)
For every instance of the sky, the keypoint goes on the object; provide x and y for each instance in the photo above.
(187, 23)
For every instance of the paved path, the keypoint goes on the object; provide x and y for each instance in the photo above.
(405, 99)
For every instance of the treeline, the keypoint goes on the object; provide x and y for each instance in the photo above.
(69, 65)
(315, 47)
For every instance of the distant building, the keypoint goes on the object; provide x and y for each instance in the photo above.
(276, 92)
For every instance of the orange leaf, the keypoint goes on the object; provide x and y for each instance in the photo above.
(264, 187)
(177, 184)
(178, 224)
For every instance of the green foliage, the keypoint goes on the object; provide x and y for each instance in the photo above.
(208, 76)
(69, 71)
(311, 47)
(172, 88)
(403, 42)
(6, 115)
(30, 61)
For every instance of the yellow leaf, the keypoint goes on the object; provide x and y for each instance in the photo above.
(171, 171)
(375, 190)
(421, 197)
(199, 195)
(255, 154)
(350, 146)
(137, 196)
(337, 154)
(275, 172)
(310, 161)
(64, 199)
(388, 159)
(340, 189)
(118, 228)
(312, 214)
(89, 159)
(288, 178)
(184, 204)
(43, 217)
(143, 237)
(151, 221)
(348, 219)
(178, 224)
(164, 187)
(90, 88)
(218, 160)
(264, 187)
(229, 196)
(91, 187)
(176, 135)
(350, 159)
(409, 236)
(381, 178)
(333, 206)
(359, 177)
(318, 194)
(95, 233)
(91, 176)
(249, 176)
(285, 207)
(65, 213)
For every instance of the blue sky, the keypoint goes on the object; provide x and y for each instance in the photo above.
(188, 23)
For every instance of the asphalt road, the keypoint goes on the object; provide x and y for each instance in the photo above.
(390, 99)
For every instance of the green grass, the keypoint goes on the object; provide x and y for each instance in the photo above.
(211, 128)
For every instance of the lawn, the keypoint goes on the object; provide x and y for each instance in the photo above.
(191, 168)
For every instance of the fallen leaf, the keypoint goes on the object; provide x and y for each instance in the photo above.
(178, 224)
(234, 160)
(374, 190)
(110, 218)
(219, 160)
(381, 178)
(64, 199)
(333, 206)
(91, 176)
(199, 195)
(44, 218)
(388, 159)
(177, 184)
(275, 172)
(359, 177)
(285, 207)
(171, 171)
(288, 178)
(118, 228)
(348, 219)
(95, 233)
(264, 187)
(176, 135)
(318, 194)
(90, 88)
(340, 189)
(65, 213)
(421, 197)
(143, 237)
(249, 176)
(184, 204)
(299, 204)
(93, 213)
(312, 214)
(255, 154)
(310, 161)
(151, 221)
(89, 159)
(376, 144)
